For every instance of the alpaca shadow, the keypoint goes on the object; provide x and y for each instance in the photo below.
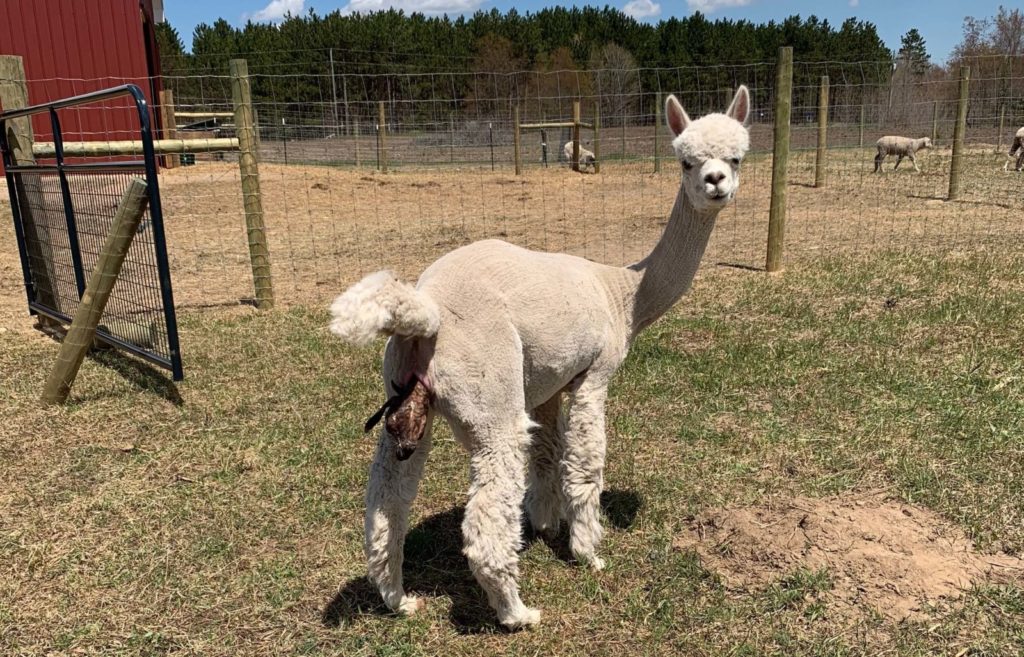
(435, 567)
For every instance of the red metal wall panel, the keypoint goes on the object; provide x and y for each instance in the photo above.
(71, 47)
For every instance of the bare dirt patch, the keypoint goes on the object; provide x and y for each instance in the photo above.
(879, 553)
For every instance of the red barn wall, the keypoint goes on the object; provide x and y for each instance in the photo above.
(70, 47)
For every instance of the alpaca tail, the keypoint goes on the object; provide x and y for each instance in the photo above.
(380, 304)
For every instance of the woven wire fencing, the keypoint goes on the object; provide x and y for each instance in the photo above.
(333, 214)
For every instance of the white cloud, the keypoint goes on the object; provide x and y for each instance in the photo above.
(641, 8)
(276, 10)
(429, 7)
(711, 6)
(854, 3)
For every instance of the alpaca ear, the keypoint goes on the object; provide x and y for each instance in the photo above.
(675, 116)
(739, 109)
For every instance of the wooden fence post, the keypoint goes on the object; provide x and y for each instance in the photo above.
(382, 143)
(860, 136)
(935, 122)
(355, 138)
(657, 130)
(780, 158)
(516, 141)
(80, 336)
(820, 163)
(576, 135)
(252, 198)
(623, 135)
(14, 95)
(597, 138)
(451, 139)
(956, 162)
(170, 125)
(1002, 123)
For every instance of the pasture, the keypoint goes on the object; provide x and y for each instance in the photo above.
(223, 515)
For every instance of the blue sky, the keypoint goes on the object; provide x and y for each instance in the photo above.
(939, 21)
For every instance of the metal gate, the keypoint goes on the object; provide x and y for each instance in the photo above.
(63, 212)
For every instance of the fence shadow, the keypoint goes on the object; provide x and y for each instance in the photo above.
(140, 374)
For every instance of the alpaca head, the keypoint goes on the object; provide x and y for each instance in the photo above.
(710, 150)
(927, 143)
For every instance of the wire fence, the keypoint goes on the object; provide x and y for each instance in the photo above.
(448, 146)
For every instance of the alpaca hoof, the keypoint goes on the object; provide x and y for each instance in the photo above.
(522, 618)
(596, 563)
(410, 604)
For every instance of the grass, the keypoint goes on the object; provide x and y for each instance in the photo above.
(231, 522)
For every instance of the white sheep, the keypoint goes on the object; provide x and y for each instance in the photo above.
(1016, 148)
(587, 158)
(515, 349)
(901, 147)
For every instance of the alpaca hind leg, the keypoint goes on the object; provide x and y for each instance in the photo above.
(878, 162)
(544, 501)
(899, 159)
(392, 488)
(583, 470)
(913, 160)
(491, 529)
(1020, 159)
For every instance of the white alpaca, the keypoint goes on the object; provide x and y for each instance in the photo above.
(901, 147)
(1016, 148)
(497, 337)
(587, 158)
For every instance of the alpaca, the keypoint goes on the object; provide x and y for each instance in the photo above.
(1016, 149)
(901, 147)
(515, 349)
(587, 158)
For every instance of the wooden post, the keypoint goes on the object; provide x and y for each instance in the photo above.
(780, 158)
(1002, 122)
(860, 137)
(80, 336)
(516, 143)
(657, 130)
(935, 122)
(623, 136)
(597, 139)
(355, 133)
(14, 95)
(451, 140)
(170, 125)
(958, 135)
(576, 135)
(252, 199)
(820, 163)
(382, 144)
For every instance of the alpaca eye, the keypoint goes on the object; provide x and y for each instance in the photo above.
(687, 165)
(735, 161)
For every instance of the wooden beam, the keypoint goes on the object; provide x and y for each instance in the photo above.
(205, 115)
(170, 124)
(160, 147)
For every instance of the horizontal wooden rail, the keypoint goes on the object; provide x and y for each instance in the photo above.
(549, 126)
(160, 147)
(204, 115)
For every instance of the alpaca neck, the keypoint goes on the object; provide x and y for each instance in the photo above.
(667, 272)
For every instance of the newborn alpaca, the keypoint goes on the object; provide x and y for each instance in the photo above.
(1016, 149)
(496, 338)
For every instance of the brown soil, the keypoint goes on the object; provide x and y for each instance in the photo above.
(896, 558)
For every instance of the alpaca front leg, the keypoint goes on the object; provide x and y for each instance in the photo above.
(544, 500)
(583, 471)
(899, 159)
(491, 529)
(913, 160)
(391, 490)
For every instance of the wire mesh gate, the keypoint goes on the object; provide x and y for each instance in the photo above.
(63, 211)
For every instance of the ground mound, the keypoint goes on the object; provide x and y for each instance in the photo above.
(897, 558)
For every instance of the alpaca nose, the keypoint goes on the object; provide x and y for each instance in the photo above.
(714, 177)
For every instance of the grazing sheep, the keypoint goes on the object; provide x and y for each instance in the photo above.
(1016, 148)
(587, 158)
(901, 147)
(515, 349)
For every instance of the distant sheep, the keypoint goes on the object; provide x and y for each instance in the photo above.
(901, 147)
(587, 158)
(1016, 149)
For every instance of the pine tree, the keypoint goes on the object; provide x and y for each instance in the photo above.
(913, 52)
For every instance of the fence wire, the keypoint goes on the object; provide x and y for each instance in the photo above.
(332, 216)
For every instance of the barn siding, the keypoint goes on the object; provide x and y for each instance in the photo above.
(71, 47)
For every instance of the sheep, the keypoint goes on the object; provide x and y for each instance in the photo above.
(515, 349)
(901, 147)
(587, 158)
(1016, 148)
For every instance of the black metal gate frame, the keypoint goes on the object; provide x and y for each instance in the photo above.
(147, 164)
